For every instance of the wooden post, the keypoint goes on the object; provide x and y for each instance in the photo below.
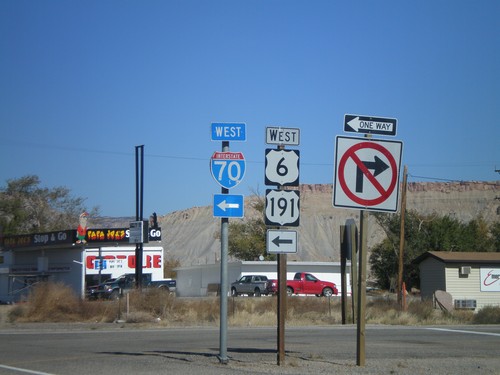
(281, 307)
(360, 359)
(400, 290)
(354, 281)
(343, 261)
(404, 296)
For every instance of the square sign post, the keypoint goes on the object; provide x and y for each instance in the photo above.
(228, 169)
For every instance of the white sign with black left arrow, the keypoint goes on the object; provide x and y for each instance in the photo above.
(281, 241)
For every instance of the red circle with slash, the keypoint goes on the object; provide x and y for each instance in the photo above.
(351, 154)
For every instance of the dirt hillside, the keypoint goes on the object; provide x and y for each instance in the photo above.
(190, 235)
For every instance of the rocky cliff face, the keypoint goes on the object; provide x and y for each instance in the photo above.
(191, 235)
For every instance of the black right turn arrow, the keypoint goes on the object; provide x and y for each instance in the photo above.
(378, 166)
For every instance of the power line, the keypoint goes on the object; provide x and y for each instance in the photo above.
(434, 178)
(194, 158)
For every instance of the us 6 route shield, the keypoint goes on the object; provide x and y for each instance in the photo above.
(228, 168)
(282, 208)
(282, 167)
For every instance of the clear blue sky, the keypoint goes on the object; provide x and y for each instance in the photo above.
(84, 82)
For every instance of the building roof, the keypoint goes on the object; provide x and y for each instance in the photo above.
(460, 257)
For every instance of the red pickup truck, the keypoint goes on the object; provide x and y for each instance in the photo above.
(305, 283)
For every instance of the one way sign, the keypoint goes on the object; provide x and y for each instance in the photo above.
(370, 125)
(281, 241)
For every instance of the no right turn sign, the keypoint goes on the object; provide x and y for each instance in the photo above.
(367, 174)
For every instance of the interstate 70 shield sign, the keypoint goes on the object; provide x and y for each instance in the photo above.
(228, 168)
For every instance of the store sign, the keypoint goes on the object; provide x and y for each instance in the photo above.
(490, 279)
(69, 237)
(117, 235)
(116, 261)
(39, 239)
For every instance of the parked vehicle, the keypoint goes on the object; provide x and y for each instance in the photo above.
(252, 285)
(305, 283)
(169, 284)
(91, 292)
(113, 288)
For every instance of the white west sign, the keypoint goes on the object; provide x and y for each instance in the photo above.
(282, 136)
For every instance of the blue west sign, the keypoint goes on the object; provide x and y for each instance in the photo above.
(224, 131)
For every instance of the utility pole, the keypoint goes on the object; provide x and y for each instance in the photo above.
(402, 240)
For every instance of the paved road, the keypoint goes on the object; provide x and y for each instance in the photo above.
(115, 349)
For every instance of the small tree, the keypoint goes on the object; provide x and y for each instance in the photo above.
(425, 233)
(25, 207)
(168, 268)
(247, 238)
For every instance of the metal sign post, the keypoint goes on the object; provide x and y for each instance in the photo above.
(228, 169)
(224, 248)
(139, 199)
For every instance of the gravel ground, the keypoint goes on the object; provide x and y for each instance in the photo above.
(298, 360)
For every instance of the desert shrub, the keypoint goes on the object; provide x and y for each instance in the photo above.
(98, 312)
(57, 302)
(423, 311)
(51, 302)
(487, 315)
(252, 311)
(459, 316)
(16, 313)
(157, 302)
(304, 305)
(257, 306)
(139, 317)
(382, 311)
(209, 312)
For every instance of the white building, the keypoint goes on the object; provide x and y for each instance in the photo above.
(472, 278)
(56, 256)
(196, 281)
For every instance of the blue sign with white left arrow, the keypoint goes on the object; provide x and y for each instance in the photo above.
(228, 205)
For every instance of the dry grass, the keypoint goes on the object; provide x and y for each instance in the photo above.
(56, 302)
(51, 302)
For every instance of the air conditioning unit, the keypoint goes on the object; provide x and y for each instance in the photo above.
(465, 270)
(467, 304)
